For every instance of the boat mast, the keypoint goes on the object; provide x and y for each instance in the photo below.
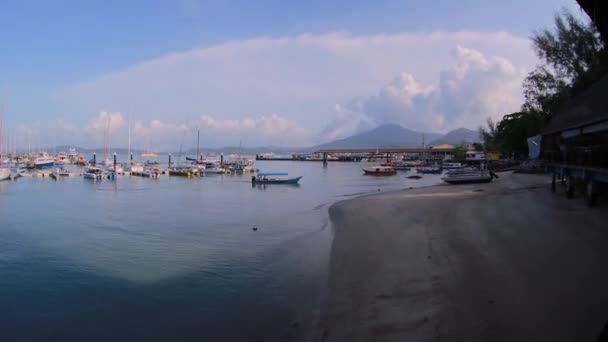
(198, 144)
(129, 132)
(1, 117)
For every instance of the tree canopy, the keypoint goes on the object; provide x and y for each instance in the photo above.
(573, 57)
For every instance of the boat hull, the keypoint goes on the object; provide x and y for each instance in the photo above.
(5, 174)
(278, 181)
(468, 180)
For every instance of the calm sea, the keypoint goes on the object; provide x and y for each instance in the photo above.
(171, 259)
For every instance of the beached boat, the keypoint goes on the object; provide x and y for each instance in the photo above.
(274, 178)
(469, 176)
(379, 170)
(96, 173)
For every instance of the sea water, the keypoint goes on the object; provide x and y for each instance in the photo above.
(174, 258)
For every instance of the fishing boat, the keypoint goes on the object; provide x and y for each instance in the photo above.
(91, 172)
(469, 176)
(43, 161)
(379, 170)
(58, 173)
(274, 178)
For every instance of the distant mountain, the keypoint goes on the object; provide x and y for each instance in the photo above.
(457, 137)
(389, 135)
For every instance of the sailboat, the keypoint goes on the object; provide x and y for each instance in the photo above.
(5, 172)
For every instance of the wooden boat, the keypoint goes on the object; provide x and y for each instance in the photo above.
(274, 178)
(468, 177)
(379, 170)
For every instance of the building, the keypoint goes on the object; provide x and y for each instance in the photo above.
(574, 143)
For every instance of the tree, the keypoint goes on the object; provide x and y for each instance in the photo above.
(514, 130)
(460, 152)
(573, 56)
(488, 135)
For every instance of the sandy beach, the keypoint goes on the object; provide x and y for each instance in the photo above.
(505, 261)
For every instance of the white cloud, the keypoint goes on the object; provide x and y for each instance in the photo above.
(303, 77)
(474, 88)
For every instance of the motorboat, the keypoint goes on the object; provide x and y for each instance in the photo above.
(398, 165)
(91, 172)
(43, 161)
(451, 165)
(214, 168)
(274, 178)
(379, 170)
(429, 169)
(5, 174)
(469, 176)
(58, 173)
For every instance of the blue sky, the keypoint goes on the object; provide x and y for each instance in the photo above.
(63, 64)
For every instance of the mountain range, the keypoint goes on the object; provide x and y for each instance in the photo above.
(393, 135)
(389, 135)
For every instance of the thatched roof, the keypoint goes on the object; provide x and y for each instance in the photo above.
(589, 107)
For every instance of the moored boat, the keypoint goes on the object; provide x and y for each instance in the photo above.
(214, 168)
(379, 170)
(43, 161)
(5, 174)
(274, 178)
(58, 173)
(91, 172)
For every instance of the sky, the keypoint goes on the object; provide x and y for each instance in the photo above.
(281, 73)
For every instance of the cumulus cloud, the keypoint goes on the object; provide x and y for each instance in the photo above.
(303, 77)
(274, 129)
(473, 88)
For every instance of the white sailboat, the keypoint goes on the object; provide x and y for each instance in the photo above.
(5, 172)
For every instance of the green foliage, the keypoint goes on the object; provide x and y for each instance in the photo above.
(573, 56)
(488, 135)
(514, 130)
(460, 152)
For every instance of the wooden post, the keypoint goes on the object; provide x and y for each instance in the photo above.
(114, 162)
(324, 159)
(94, 158)
(222, 159)
(169, 160)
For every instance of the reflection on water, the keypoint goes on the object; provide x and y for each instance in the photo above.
(172, 258)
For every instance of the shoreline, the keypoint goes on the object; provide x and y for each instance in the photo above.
(499, 261)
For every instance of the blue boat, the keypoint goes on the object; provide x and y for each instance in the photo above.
(274, 178)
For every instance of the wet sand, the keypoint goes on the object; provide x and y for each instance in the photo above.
(505, 261)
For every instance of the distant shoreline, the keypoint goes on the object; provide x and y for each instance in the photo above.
(466, 263)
